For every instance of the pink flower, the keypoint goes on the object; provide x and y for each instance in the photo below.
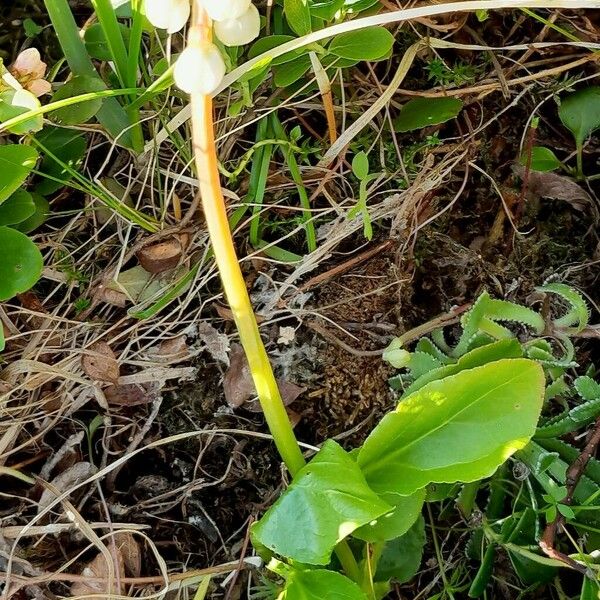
(29, 70)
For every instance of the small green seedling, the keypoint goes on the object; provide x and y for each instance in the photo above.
(360, 169)
(580, 114)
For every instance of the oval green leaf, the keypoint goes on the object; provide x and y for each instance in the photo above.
(360, 165)
(96, 43)
(284, 75)
(423, 112)
(83, 111)
(39, 216)
(580, 112)
(264, 44)
(542, 159)
(17, 208)
(326, 501)
(20, 263)
(16, 162)
(460, 428)
(18, 102)
(297, 13)
(371, 43)
(68, 146)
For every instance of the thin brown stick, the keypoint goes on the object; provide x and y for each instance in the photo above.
(574, 474)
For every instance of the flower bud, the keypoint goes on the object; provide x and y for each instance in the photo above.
(222, 10)
(171, 15)
(199, 70)
(240, 31)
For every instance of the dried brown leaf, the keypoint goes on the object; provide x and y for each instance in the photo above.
(558, 187)
(98, 568)
(100, 363)
(69, 478)
(129, 549)
(239, 387)
(217, 344)
(131, 394)
(160, 257)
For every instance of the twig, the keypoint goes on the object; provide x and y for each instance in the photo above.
(574, 473)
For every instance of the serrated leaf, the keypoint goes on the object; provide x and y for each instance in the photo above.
(423, 112)
(401, 558)
(17, 208)
(580, 112)
(587, 388)
(542, 159)
(460, 428)
(16, 162)
(577, 317)
(21, 264)
(370, 43)
(326, 501)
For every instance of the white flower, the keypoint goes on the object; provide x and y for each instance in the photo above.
(240, 31)
(199, 70)
(171, 15)
(222, 10)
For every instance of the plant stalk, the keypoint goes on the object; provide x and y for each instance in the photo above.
(232, 279)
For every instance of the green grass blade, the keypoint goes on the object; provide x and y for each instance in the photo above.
(116, 46)
(112, 115)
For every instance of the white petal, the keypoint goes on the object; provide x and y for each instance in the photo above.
(199, 70)
(221, 10)
(171, 15)
(240, 31)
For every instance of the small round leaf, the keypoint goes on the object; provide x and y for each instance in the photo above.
(16, 162)
(21, 263)
(39, 216)
(371, 43)
(542, 159)
(580, 112)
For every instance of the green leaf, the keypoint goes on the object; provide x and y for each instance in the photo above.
(370, 43)
(16, 162)
(475, 358)
(407, 510)
(423, 112)
(460, 428)
(401, 557)
(325, 9)
(39, 216)
(264, 44)
(96, 43)
(18, 102)
(67, 145)
(17, 208)
(316, 584)
(580, 112)
(21, 264)
(297, 13)
(542, 159)
(326, 501)
(31, 28)
(284, 75)
(360, 165)
(84, 111)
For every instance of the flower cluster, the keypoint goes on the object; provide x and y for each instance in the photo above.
(235, 23)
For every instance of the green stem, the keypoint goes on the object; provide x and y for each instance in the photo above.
(347, 560)
(579, 161)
